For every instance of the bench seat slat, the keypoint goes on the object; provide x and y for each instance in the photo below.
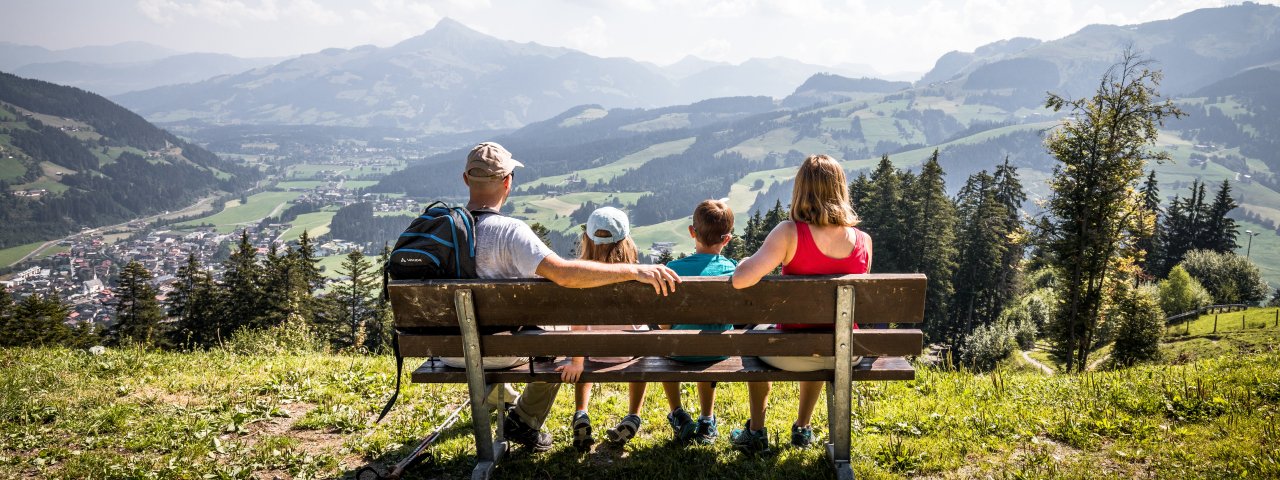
(879, 298)
(877, 342)
(657, 369)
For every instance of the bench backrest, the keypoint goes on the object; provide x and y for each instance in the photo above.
(427, 316)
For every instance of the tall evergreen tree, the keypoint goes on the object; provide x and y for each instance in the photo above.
(308, 262)
(1150, 244)
(930, 248)
(1102, 149)
(1220, 230)
(241, 289)
(353, 299)
(193, 304)
(982, 249)
(1011, 195)
(138, 313)
(381, 328)
(880, 216)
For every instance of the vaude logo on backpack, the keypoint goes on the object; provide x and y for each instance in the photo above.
(439, 244)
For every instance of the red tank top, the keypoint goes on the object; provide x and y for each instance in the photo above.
(809, 260)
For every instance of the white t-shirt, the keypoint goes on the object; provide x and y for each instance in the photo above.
(505, 248)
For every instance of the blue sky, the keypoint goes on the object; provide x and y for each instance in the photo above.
(889, 36)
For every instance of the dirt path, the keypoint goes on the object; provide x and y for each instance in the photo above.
(1036, 363)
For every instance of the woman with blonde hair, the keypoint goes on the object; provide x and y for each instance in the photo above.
(820, 239)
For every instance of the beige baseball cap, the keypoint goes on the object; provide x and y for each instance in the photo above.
(489, 162)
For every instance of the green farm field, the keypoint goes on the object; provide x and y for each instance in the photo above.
(235, 215)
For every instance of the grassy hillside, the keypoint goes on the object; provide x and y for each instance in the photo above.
(238, 412)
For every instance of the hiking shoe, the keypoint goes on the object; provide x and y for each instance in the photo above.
(801, 436)
(706, 431)
(582, 438)
(681, 424)
(515, 430)
(750, 441)
(626, 429)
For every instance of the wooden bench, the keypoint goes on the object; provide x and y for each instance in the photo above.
(446, 318)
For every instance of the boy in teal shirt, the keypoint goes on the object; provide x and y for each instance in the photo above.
(711, 230)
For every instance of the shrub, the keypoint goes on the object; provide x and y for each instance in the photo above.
(1180, 293)
(1228, 277)
(988, 345)
(290, 337)
(1139, 323)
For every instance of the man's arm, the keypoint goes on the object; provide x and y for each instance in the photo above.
(586, 274)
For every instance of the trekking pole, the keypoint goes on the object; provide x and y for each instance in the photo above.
(369, 473)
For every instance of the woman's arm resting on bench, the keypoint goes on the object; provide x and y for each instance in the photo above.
(585, 274)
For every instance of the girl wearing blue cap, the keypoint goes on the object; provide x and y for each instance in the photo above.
(606, 239)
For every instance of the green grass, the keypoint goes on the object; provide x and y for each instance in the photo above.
(614, 169)
(670, 231)
(218, 414)
(259, 206)
(301, 184)
(1265, 251)
(13, 254)
(11, 168)
(315, 224)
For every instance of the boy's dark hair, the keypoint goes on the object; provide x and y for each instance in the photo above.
(712, 220)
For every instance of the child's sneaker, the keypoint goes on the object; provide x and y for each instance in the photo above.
(706, 431)
(626, 429)
(582, 438)
(801, 436)
(750, 441)
(681, 424)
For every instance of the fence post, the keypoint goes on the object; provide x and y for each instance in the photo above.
(1242, 315)
(1215, 323)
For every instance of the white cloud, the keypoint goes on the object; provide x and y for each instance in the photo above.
(717, 49)
(591, 36)
(234, 13)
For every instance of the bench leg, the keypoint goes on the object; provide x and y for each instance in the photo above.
(488, 452)
(840, 398)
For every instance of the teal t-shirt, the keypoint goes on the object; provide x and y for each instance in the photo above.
(702, 265)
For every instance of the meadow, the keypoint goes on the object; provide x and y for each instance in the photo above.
(262, 407)
(237, 215)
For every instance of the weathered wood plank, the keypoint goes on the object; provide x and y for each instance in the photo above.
(881, 298)
(655, 369)
(868, 342)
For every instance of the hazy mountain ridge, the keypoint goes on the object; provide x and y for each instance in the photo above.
(13, 56)
(1194, 49)
(116, 78)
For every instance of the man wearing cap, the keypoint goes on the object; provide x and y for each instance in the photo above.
(508, 248)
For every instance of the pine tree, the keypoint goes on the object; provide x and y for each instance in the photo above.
(751, 236)
(931, 250)
(6, 312)
(308, 262)
(859, 189)
(241, 289)
(381, 328)
(982, 249)
(1221, 230)
(138, 313)
(1102, 149)
(1011, 195)
(880, 214)
(40, 321)
(1150, 244)
(353, 299)
(193, 303)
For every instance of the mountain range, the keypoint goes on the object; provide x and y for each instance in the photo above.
(453, 78)
(120, 68)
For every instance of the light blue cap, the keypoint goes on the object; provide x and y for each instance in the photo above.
(610, 220)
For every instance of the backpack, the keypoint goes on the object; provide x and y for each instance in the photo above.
(439, 244)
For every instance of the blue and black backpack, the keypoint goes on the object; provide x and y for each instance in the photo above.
(439, 244)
